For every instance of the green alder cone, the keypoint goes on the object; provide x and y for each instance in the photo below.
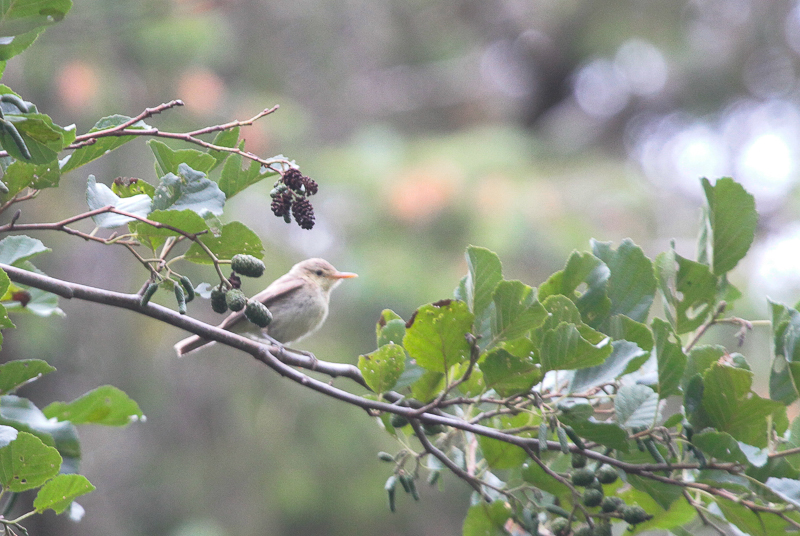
(578, 460)
(583, 477)
(148, 293)
(235, 299)
(180, 297)
(611, 504)
(592, 497)
(247, 265)
(218, 302)
(257, 313)
(634, 515)
(186, 283)
(585, 530)
(607, 475)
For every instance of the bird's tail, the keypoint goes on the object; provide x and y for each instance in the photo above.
(190, 344)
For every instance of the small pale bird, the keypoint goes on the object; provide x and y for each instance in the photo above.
(297, 300)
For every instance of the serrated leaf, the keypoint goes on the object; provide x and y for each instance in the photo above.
(565, 348)
(15, 250)
(234, 238)
(745, 519)
(190, 189)
(582, 268)
(670, 359)
(100, 195)
(382, 368)
(636, 406)
(508, 374)
(390, 328)
(7, 435)
(27, 463)
(663, 494)
(516, 311)
(15, 374)
(486, 519)
(427, 386)
(132, 187)
(723, 446)
(10, 49)
(224, 138)
(632, 283)
(58, 493)
(185, 220)
(43, 138)
(20, 175)
(22, 414)
(234, 179)
(689, 290)
(623, 353)
(729, 225)
(501, 454)
(607, 434)
(730, 405)
(105, 405)
(784, 381)
(168, 159)
(485, 272)
(700, 359)
(103, 145)
(436, 336)
(17, 18)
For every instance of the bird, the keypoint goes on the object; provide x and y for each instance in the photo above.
(298, 301)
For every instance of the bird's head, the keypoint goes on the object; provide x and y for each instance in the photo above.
(321, 272)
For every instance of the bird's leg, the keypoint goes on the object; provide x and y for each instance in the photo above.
(282, 354)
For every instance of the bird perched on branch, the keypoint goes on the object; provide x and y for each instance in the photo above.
(297, 300)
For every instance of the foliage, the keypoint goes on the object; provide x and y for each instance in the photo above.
(545, 401)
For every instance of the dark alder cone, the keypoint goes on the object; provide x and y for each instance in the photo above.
(303, 213)
(282, 204)
(293, 179)
(311, 185)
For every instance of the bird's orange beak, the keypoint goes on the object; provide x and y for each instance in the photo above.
(344, 275)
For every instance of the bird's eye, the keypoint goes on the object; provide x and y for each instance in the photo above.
(319, 272)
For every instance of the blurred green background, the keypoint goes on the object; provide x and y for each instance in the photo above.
(524, 126)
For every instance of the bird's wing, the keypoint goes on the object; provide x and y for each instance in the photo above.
(281, 287)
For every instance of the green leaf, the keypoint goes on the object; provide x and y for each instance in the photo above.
(132, 187)
(670, 358)
(58, 493)
(428, 385)
(689, 290)
(17, 18)
(382, 368)
(631, 284)
(27, 463)
(189, 189)
(390, 328)
(234, 238)
(517, 311)
(485, 272)
(105, 405)
(731, 406)
(745, 519)
(501, 454)
(436, 335)
(566, 348)
(784, 381)
(534, 474)
(699, 360)
(620, 327)
(21, 175)
(663, 494)
(508, 374)
(729, 225)
(678, 514)
(100, 195)
(17, 249)
(486, 519)
(43, 138)
(168, 159)
(103, 145)
(605, 433)
(185, 220)
(582, 268)
(15, 374)
(234, 179)
(623, 353)
(723, 446)
(636, 406)
(23, 415)
(18, 44)
(225, 138)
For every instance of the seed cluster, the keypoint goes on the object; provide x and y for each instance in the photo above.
(290, 198)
